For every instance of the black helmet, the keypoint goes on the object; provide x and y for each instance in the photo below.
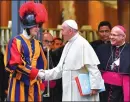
(32, 14)
(28, 21)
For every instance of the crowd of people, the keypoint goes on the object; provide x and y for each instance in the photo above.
(29, 66)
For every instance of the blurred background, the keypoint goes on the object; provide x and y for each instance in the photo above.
(87, 13)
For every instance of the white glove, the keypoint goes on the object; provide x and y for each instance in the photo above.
(41, 74)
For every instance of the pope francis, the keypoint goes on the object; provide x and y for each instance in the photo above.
(77, 56)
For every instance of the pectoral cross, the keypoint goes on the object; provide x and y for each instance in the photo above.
(112, 66)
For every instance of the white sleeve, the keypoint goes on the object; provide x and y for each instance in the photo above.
(96, 81)
(52, 74)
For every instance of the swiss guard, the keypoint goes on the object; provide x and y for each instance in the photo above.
(24, 56)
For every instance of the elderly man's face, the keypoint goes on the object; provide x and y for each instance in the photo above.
(104, 33)
(47, 41)
(116, 38)
(65, 32)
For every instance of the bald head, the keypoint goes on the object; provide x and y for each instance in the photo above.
(47, 35)
(47, 40)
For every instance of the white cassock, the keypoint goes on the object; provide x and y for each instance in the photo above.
(76, 54)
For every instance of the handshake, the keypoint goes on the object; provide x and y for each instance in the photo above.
(41, 74)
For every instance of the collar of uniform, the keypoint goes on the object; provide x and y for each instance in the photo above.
(26, 35)
(74, 37)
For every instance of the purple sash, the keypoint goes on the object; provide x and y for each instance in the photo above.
(114, 78)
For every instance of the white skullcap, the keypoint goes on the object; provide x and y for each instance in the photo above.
(72, 24)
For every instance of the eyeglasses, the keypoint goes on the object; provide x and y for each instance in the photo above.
(47, 41)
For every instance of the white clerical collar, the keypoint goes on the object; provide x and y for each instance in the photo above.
(121, 44)
(26, 35)
(74, 37)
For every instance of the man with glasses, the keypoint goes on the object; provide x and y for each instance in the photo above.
(55, 90)
(115, 66)
(47, 40)
(104, 29)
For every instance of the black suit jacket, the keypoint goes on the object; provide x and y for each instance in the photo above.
(95, 44)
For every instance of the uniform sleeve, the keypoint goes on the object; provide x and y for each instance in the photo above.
(15, 62)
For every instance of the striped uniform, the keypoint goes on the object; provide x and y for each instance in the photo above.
(22, 59)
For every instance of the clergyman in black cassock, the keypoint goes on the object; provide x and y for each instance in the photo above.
(115, 67)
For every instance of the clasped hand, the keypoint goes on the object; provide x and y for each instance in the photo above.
(94, 92)
(41, 74)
